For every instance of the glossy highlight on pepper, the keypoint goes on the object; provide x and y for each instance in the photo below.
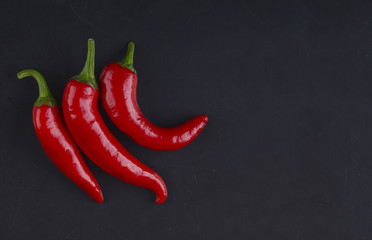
(118, 83)
(57, 142)
(80, 109)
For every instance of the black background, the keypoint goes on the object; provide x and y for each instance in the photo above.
(287, 86)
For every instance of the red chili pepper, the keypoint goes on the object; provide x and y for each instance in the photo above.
(56, 140)
(86, 126)
(118, 84)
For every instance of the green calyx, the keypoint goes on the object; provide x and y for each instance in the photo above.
(45, 97)
(87, 74)
(127, 62)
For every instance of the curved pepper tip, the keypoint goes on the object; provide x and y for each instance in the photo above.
(204, 118)
(160, 200)
(19, 76)
(160, 191)
(99, 198)
(97, 195)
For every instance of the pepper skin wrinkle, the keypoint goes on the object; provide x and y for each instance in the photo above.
(80, 110)
(57, 142)
(118, 83)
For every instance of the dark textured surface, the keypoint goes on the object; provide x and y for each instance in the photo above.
(287, 86)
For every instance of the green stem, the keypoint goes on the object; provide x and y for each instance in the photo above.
(87, 74)
(45, 97)
(127, 62)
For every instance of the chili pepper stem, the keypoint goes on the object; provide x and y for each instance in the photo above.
(45, 97)
(87, 74)
(127, 62)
